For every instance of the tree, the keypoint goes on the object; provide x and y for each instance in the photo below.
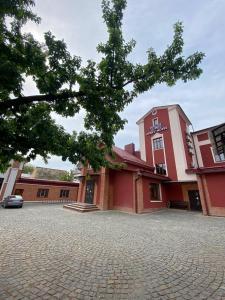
(68, 176)
(28, 168)
(65, 86)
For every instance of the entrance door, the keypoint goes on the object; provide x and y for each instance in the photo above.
(89, 195)
(194, 200)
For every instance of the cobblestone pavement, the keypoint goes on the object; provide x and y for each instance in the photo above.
(47, 252)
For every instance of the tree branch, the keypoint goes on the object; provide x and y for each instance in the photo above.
(24, 100)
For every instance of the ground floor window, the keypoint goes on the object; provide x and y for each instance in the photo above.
(19, 192)
(42, 193)
(64, 193)
(154, 191)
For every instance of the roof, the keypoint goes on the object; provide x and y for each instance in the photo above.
(208, 128)
(127, 157)
(206, 170)
(46, 182)
(172, 106)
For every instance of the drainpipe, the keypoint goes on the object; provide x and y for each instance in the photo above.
(137, 177)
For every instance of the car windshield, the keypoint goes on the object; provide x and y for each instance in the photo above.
(17, 197)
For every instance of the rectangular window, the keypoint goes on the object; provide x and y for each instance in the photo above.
(158, 143)
(42, 193)
(154, 191)
(218, 157)
(155, 122)
(160, 169)
(64, 193)
(19, 192)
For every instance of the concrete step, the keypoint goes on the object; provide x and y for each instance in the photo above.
(81, 207)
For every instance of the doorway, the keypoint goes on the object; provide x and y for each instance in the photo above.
(194, 200)
(89, 195)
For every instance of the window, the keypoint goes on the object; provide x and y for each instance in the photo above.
(158, 143)
(19, 192)
(160, 169)
(155, 122)
(42, 193)
(64, 193)
(154, 191)
(219, 157)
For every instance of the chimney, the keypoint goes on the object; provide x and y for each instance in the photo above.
(130, 148)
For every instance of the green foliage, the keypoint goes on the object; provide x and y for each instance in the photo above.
(28, 169)
(68, 176)
(103, 89)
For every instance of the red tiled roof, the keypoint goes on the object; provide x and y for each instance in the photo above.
(126, 156)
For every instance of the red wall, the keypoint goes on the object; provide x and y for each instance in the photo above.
(147, 196)
(163, 117)
(30, 192)
(203, 136)
(216, 188)
(207, 157)
(174, 192)
(122, 182)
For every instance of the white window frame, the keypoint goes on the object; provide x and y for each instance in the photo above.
(214, 157)
(157, 138)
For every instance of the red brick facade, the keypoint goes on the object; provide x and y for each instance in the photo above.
(30, 188)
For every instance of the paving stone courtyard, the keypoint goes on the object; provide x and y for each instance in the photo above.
(47, 252)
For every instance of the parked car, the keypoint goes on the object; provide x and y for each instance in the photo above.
(12, 201)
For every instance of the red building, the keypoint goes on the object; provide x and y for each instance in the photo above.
(36, 190)
(210, 170)
(173, 168)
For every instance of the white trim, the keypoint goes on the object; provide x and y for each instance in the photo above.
(206, 142)
(156, 201)
(198, 151)
(10, 182)
(142, 141)
(178, 145)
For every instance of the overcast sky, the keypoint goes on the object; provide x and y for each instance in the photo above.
(150, 23)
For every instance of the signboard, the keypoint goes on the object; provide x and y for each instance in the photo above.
(156, 128)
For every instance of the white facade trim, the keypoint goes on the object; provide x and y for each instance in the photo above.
(178, 146)
(198, 152)
(206, 142)
(142, 141)
(11, 182)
